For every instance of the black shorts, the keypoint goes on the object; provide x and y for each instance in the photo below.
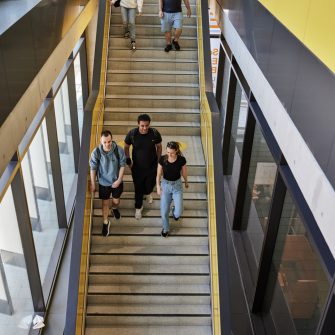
(106, 191)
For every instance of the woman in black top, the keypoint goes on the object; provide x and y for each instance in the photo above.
(171, 166)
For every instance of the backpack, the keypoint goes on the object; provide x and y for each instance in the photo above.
(115, 151)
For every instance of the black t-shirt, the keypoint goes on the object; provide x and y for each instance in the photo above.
(171, 171)
(144, 153)
(172, 6)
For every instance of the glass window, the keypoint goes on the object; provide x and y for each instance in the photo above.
(39, 189)
(261, 178)
(79, 93)
(16, 306)
(239, 121)
(301, 285)
(64, 134)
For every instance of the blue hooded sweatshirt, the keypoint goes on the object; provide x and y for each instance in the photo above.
(107, 166)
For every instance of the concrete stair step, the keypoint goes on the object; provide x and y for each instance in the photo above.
(146, 279)
(127, 212)
(153, 18)
(158, 116)
(149, 269)
(167, 250)
(152, 222)
(129, 55)
(153, 231)
(144, 30)
(155, 76)
(149, 330)
(117, 41)
(149, 259)
(146, 321)
(149, 240)
(154, 2)
(129, 203)
(149, 8)
(165, 128)
(146, 310)
(149, 89)
(144, 299)
(186, 196)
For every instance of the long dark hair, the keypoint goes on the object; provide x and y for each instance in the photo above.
(174, 146)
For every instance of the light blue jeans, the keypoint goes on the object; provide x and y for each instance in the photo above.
(128, 21)
(171, 190)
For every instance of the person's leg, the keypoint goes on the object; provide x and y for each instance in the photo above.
(166, 198)
(177, 34)
(138, 179)
(150, 181)
(168, 37)
(124, 14)
(105, 210)
(177, 196)
(116, 193)
(104, 195)
(131, 23)
(166, 29)
(177, 25)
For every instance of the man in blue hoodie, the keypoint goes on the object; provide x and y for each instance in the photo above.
(107, 163)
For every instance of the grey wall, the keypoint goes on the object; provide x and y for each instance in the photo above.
(305, 86)
(26, 46)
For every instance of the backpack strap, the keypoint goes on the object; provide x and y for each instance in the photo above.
(116, 153)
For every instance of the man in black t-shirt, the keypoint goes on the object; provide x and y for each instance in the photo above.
(147, 149)
(171, 16)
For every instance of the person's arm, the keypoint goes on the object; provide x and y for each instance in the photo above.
(158, 178)
(118, 181)
(188, 7)
(93, 175)
(184, 174)
(159, 150)
(160, 13)
(139, 6)
(126, 152)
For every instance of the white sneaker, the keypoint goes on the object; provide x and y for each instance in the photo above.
(150, 198)
(138, 213)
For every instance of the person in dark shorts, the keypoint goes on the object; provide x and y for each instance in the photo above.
(107, 163)
(147, 149)
(171, 167)
(171, 16)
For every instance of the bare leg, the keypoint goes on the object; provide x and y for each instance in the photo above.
(177, 34)
(168, 37)
(105, 210)
(115, 203)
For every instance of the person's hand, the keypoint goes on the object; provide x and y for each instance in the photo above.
(186, 184)
(92, 187)
(139, 13)
(161, 14)
(159, 190)
(188, 12)
(116, 183)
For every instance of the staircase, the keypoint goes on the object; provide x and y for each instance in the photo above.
(140, 283)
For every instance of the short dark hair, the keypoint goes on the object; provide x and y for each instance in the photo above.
(143, 117)
(106, 133)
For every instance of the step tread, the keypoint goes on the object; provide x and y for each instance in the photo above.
(186, 196)
(156, 124)
(147, 59)
(152, 97)
(148, 84)
(149, 268)
(160, 72)
(153, 110)
(149, 309)
(149, 249)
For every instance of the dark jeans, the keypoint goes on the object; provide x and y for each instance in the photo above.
(144, 183)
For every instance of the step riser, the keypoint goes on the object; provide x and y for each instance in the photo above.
(143, 31)
(149, 103)
(152, 19)
(147, 299)
(152, 78)
(140, 259)
(120, 42)
(159, 117)
(152, 65)
(129, 203)
(149, 240)
(152, 222)
(154, 53)
(147, 320)
(151, 90)
(147, 279)
(153, 9)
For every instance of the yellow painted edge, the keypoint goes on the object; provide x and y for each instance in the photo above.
(207, 143)
(97, 124)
